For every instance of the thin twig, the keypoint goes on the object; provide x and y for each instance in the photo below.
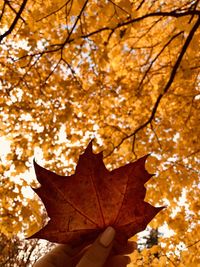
(14, 23)
(167, 86)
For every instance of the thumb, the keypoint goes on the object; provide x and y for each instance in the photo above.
(99, 251)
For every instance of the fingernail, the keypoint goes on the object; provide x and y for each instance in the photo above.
(107, 236)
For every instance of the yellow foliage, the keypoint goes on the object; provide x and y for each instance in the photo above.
(123, 72)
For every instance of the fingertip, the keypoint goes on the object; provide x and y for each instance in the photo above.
(99, 251)
(107, 236)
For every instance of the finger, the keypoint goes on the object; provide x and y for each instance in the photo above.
(117, 249)
(61, 255)
(117, 261)
(76, 257)
(76, 250)
(98, 252)
(66, 249)
(125, 249)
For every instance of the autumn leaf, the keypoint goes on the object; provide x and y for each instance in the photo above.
(82, 205)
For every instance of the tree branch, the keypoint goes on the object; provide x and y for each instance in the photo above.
(155, 14)
(54, 12)
(18, 16)
(167, 86)
(75, 23)
(8, 3)
(3, 9)
(157, 56)
(60, 46)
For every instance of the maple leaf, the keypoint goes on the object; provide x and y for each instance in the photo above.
(82, 205)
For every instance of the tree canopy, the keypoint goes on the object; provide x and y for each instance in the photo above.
(123, 72)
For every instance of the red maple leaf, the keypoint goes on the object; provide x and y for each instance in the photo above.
(82, 205)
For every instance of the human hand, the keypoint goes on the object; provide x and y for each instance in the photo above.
(99, 254)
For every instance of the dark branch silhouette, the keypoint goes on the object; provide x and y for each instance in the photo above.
(14, 23)
(166, 88)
